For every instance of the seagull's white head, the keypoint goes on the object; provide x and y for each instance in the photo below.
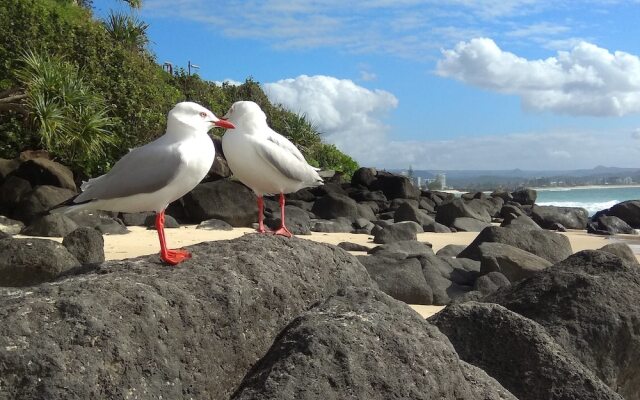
(245, 114)
(196, 117)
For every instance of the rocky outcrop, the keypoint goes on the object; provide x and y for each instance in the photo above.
(226, 200)
(551, 246)
(518, 353)
(335, 205)
(510, 261)
(526, 197)
(53, 225)
(25, 262)
(86, 244)
(611, 225)
(397, 232)
(448, 212)
(569, 217)
(589, 304)
(628, 211)
(401, 279)
(361, 344)
(137, 326)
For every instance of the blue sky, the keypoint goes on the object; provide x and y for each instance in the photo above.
(449, 84)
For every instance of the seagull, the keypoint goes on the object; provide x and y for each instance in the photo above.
(150, 177)
(264, 160)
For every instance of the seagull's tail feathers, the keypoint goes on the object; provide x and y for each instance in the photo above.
(69, 205)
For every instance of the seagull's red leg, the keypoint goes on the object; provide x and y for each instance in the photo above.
(282, 231)
(261, 215)
(172, 257)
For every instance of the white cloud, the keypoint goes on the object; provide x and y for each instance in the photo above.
(350, 116)
(353, 118)
(635, 134)
(228, 82)
(588, 80)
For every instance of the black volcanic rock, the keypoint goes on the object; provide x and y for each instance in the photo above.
(226, 200)
(296, 220)
(621, 250)
(38, 201)
(362, 344)
(364, 176)
(25, 262)
(628, 211)
(448, 212)
(52, 225)
(466, 224)
(518, 353)
(335, 205)
(86, 244)
(395, 186)
(349, 246)
(589, 304)
(512, 262)
(569, 217)
(613, 225)
(10, 226)
(399, 231)
(402, 249)
(41, 171)
(551, 246)
(172, 332)
(526, 197)
(401, 279)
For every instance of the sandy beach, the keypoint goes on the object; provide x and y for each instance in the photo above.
(141, 241)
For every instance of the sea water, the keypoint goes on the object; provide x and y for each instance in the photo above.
(593, 199)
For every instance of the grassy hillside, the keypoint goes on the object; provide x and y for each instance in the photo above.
(88, 90)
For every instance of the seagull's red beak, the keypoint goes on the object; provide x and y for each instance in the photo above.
(221, 123)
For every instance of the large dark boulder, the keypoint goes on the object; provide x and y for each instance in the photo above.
(41, 171)
(394, 233)
(466, 224)
(38, 201)
(364, 176)
(296, 220)
(518, 353)
(402, 249)
(410, 212)
(512, 262)
(589, 304)
(86, 244)
(401, 279)
(441, 275)
(621, 250)
(628, 211)
(52, 225)
(172, 332)
(11, 193)
(448, 212)
(229, 201)
(551, 246)
(395, 187)
(135, 219)
(569, 217)
(612, 225)
(334, 205)
(513, 219)
(362, 344)
(25, 262)
(526, 197)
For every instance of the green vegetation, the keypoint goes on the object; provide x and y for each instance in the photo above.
(88, 91)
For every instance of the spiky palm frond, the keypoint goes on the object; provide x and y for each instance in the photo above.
(128, 30)
(71, 121)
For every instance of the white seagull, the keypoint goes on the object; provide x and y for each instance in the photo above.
(150, 177)
(264, 160)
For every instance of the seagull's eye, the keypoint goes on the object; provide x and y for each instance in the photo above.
(203, 114)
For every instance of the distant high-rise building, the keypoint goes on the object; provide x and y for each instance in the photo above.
(442, 180)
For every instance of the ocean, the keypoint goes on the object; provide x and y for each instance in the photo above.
(593, 199)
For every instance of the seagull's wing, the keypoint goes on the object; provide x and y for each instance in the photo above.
(285, 157)
(144, 169)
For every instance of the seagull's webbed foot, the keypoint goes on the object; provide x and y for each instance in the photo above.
(283, 231)
(261, 229)
(175, 257)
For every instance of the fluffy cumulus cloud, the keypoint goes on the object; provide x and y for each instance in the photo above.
(587, 80)
(349, 116)
(353, 118)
